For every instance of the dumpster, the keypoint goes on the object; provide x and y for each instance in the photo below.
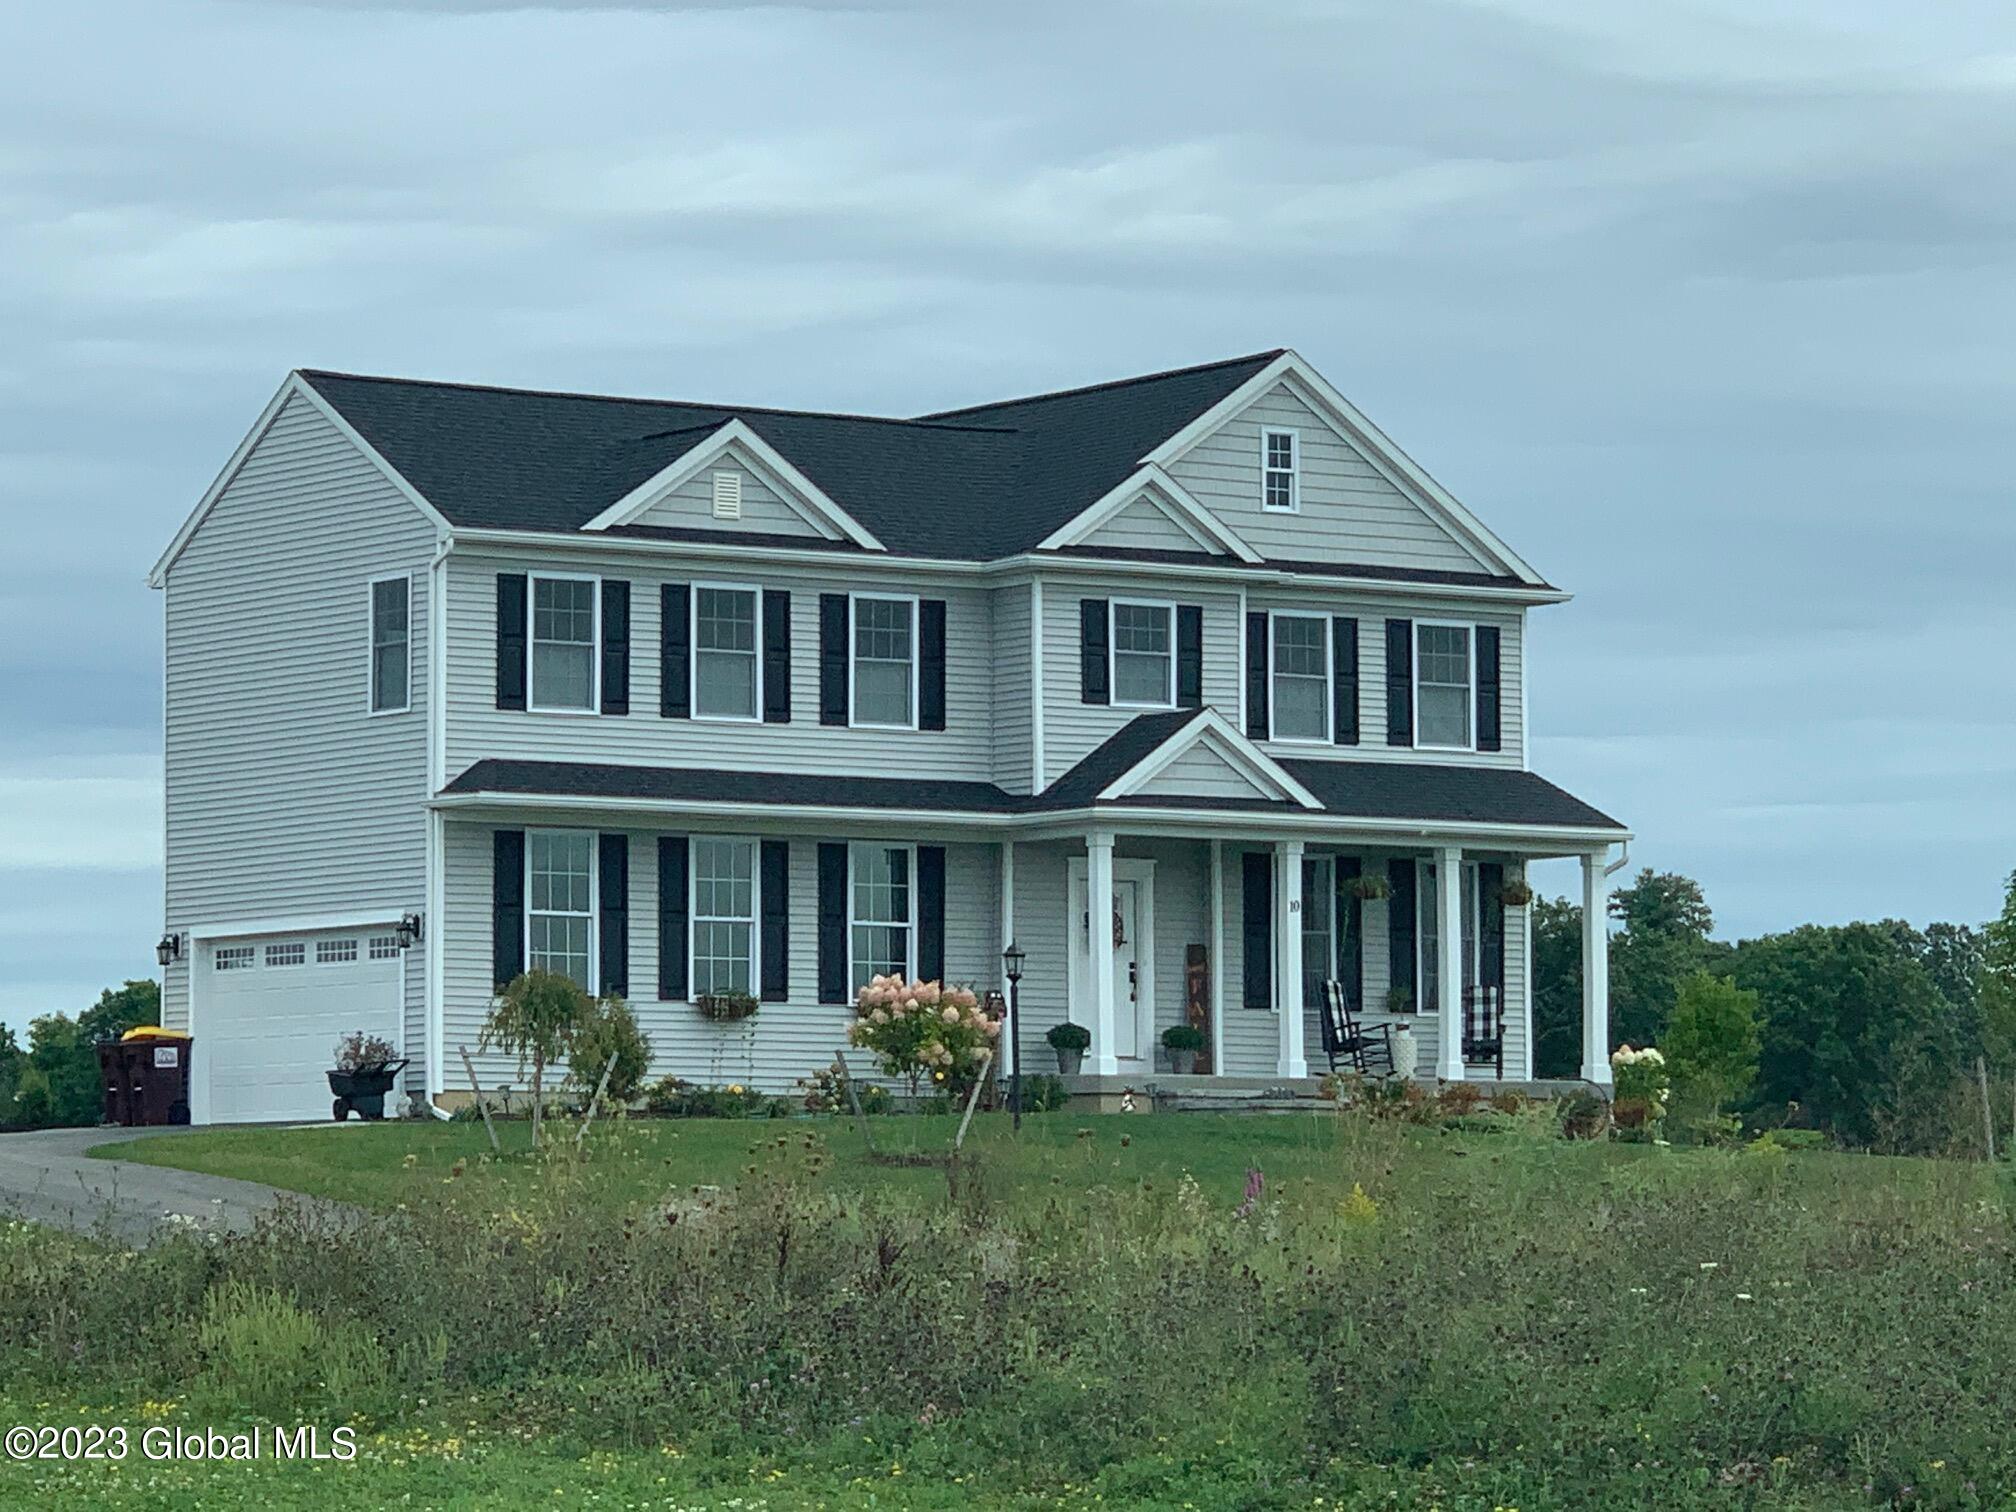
(146, 1077)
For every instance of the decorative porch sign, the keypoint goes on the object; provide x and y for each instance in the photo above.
(1197, 1000)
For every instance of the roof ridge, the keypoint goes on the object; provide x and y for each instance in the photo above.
(914, 422)
(1110, 383)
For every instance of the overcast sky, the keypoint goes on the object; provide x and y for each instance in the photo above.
(1706, 307)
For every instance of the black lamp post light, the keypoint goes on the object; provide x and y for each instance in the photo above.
(1011, 960)
(170, 949)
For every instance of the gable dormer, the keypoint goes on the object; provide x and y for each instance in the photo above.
(731, 492)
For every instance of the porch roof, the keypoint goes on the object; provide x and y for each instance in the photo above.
(1401, 792)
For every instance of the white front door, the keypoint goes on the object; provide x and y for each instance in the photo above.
(1127, 943)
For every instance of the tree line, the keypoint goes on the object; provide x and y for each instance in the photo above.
(1870, 1032)
(53, 1081)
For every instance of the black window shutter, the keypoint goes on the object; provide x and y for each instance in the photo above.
(833, 921)
(675, 654)
(931, 912)
(776, 884)
(1189, 656)
(1349, 924)
(1095, 661)
(507, 905)
(510, 640)
(1490, 735)
(776, 656)
(615, 646)
(1400, 930)
(1256, 677)
(612, 864)
(1344, 680)
(1491, 925)
(832, 664)
(931, 664)
(1257, 931)
(671, 917)
(1399, 682)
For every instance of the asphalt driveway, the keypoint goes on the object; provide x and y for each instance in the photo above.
(46, 1176)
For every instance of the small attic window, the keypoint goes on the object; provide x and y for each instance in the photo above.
(727, 495)
(1279, 484)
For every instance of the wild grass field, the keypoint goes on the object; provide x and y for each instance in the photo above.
(749, 1313)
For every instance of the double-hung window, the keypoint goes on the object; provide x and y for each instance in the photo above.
(1444, 675)
(1319, 926)
(560, 904)
(1144, 655)
(882, 912)
(563, 643)
(724, 916)
(885, 662)
(391, 644)
(1429, 935)
(1301, 663)
(1279, 484)
(726, 668)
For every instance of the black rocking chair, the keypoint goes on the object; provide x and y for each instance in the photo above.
(1366, 1049)
(1484, 1028)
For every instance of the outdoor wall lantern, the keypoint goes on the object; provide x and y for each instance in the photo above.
(169, 949)
(409, 931)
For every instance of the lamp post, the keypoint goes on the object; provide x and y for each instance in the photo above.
(1011, 960)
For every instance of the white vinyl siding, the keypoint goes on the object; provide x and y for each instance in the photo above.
(727, 665)
(564, 637)
(723, 915)
(764, 510)
(1145, 525)
(285, 797)
(1013, 708)
(560, 904)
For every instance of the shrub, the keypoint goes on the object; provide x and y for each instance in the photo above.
(536, 1018)
(1712, 1042)
(825, 1091)
(1583, 1115)
(672, 1097)
(1641, 1089)
(1183, 1037)
(610, 1029)
(919, 1029)
(1069, 1036)
(1043, 1093)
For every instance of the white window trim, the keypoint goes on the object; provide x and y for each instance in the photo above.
(854, 722)
(371, 644)
(1470, 695)
(1168, 609)
(910, 932)
(1328, 737)
(755, 910)
(1426, 898)
(693, 655)
(1294, 504)
(594, 903)
(532, 582)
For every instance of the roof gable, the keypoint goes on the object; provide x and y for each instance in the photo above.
(1141, 751)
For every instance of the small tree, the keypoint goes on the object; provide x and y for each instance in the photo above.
(537, 1018)
(1712, 1043)
(610, 1029)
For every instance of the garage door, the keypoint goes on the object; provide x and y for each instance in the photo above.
(269, 1011)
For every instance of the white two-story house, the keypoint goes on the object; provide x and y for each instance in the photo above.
(688, 699)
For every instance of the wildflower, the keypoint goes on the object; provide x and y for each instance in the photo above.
(1708, 1265)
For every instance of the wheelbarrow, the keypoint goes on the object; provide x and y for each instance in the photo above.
(363, 1091)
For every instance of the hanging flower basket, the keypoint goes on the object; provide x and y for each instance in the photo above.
(1369, 885)
(725, 1007)
(1515, 892)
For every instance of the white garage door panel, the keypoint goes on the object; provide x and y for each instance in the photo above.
(266, 1032)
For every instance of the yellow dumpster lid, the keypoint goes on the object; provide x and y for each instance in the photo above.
(152, 1031)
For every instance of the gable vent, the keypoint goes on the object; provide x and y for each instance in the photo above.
(727, 496)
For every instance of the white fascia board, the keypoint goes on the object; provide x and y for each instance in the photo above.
(1008, 569)
(292, 924)
(1174, 500)
(1236, 750)
(294, 384)
(1400, 469)
(807, 497)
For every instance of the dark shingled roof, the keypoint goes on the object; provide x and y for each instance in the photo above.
(1400, 791)
(968, 485)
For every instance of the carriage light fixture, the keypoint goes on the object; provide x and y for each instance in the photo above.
(410, 931)
(169, 949)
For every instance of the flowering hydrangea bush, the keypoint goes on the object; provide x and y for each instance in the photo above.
(919, 1030)
(1640, 1088)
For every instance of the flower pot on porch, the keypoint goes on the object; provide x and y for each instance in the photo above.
(1183, 1062)
(1405, 1052)
(1068, 1061)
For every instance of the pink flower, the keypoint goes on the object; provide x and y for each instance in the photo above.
(950, 1015)
(991, 1029)
(929, 993)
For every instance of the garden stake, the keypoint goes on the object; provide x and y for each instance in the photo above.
(481, 1106)
(594, 1102)
(853, 1097)
(972, 1102)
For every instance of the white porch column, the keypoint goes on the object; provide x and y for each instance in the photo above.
(1449, 961)
(1005, 1052)
(1099, 949)
(1288, 955)
(1217, 957)
(1595, 970)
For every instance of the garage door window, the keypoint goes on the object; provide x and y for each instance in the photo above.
(560, 903)
(234, 958)
(335, 952)
(384, 947)
(294, 954)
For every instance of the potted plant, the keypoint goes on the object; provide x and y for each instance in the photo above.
(1515, 892)
(1183, 1041)
(725, 1007)
(1070, 1041)
(366, 1067)
(1399, 1000)
(1369, 885)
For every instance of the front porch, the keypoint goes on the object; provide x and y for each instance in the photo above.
(1167, 1092)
